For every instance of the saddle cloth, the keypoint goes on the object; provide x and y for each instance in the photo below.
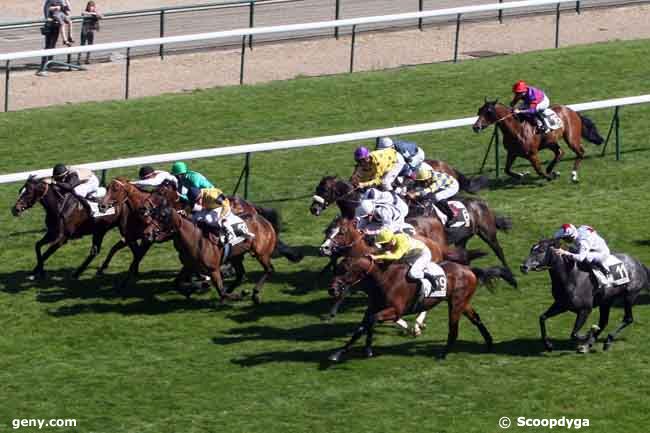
(618, 273)
(437, 275)
(461, 215)
(552, 120)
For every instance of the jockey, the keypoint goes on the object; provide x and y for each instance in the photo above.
(212, 208)
(188, 179)
(402, 247)
(381, 209)
(413, 154)
(440, 187)
(378, 168)
(534, 101)
(591, 249)
(150, 178)
(80, 181)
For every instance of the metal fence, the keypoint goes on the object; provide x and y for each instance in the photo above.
(246, 35)
(249, 149)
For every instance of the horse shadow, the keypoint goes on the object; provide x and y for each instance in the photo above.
(315, 308)
(149, 306)
(642, 242)
(295, 282)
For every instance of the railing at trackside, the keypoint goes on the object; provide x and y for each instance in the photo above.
(247, 34)
(249, 149)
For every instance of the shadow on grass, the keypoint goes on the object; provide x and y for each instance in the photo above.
(25, 232)
(519, 347)
(149, 306)
(642, 242)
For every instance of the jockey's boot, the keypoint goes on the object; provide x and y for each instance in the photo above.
(425, 289)
(602, 276)
(242, 230)
(541, 125)
(444, 208)
(85, 204)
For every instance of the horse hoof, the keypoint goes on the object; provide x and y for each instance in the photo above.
(607, 345)
(257, 299)
(326, 318)
(335, 357)
(548, 346)
(416, 331)
(369, 353)
(583, 348)
(99, 273)
(574, 176)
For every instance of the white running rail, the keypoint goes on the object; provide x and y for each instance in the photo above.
(303, 142)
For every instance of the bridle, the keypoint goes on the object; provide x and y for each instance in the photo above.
(363, 276)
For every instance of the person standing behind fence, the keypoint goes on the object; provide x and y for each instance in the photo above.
(89, 26)
(58, 10)
(50, 31)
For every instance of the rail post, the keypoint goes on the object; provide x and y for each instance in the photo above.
(420, 9)
(161, 51)
(557, 26)
(103, 181)
(245, 173)
(500, 13)
(243, 54)
(496, 152)
(7, 71)
(613, 127)
(578, 7)
(337, 15)
(457, 37)
(251, 22)
(128, 75)
(487, 153)
(354, 36)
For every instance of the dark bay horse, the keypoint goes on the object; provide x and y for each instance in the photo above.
(203, 254)
(521, 139)
(392, 296)
(65, 218)
(574, 289)
(483, 222)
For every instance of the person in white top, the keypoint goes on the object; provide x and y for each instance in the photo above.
(590, 248)
(379, 209)
(153, 178)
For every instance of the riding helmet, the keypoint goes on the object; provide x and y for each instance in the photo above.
(361, 153)
(520, 87)
(384, 236)
(59, 170)
(179, 167)
(423, 173)
(145, 171)
(384, 143)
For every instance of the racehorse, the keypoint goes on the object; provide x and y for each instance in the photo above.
(575, 289)
(203, 254)
(65, 218)
(521, 139)
(342, 239)
(120, 192)
(331, 189)
(482, 220)
(392, 296)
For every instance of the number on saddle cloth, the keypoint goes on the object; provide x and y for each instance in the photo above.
(617, 271)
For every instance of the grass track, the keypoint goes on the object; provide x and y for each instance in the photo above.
(74, 350)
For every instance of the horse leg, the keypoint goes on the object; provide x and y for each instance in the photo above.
(265, 261)
(473, 317)
(537, 165)
(452, 336)
(509, 161)
(603, 320)
(114, 249)
(628, 319)
(581, 318)
(215, 276)
(39, 272)
(553, 310)
(419, 324)
(95, 248)
(362, 329)
(240, 271)
(559, 153)
(489, 236)
(135, 262)
(573, 139)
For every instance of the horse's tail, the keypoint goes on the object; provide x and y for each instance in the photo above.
(589, 130)
(503, 223)
(463, 256)
(471, 185)
(290, 253)
(272, 216)
(487, 276)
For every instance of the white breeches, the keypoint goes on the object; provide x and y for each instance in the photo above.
(543, 105)
(419, 264)
(597, 257)
(88, 187)
(389, 178)
(417, 159)
(450, 191)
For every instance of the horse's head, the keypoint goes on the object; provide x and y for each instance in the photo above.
(158, 222)
(539, 257)
(32, 191)
(340, 235)
(487, 115)
(116, 192)
(325, 195)
(349, 272)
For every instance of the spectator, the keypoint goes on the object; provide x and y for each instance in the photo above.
(59, 10)
(51, 31)
(89, 26)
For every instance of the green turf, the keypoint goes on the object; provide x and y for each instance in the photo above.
(74, 349)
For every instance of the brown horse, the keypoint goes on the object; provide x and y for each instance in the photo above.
(343, 239)
(120, 192)
(65, 219)
(521, 139)
(203, 254)
(393, 295)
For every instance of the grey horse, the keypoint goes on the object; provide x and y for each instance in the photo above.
(575, 289)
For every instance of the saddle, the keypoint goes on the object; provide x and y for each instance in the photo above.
(461, 215)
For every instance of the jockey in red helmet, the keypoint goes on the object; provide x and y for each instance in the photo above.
(534, 103)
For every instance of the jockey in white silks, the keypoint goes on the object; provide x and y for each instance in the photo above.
(150, 178)
(590, 249)
(379, 209)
